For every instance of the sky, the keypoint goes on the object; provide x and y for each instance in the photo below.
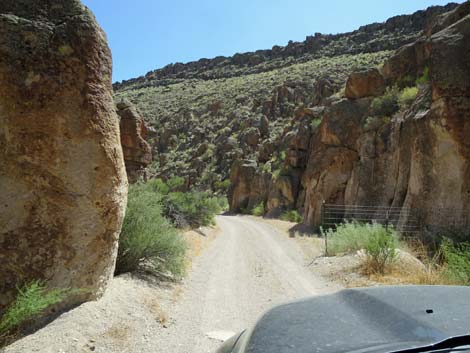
(145, 35)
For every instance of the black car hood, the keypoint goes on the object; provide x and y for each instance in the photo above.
(381, 319)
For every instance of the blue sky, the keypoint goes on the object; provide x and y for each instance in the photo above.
(148, 34)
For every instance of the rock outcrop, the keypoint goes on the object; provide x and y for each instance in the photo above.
(137, 151)
(365, 84)
(253, 97)
(249, 186)
(399, 138)
(417, 158)
(63, 186)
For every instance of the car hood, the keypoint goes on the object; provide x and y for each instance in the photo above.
(380, 319)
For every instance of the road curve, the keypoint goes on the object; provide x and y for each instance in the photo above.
(247, 269)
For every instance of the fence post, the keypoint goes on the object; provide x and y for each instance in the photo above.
(387, 214)
(420, 224)
(321, 227)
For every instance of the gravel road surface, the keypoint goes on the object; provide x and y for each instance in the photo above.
(248, 268)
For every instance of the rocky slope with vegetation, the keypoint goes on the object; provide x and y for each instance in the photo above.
(397, 137)
(213, 112)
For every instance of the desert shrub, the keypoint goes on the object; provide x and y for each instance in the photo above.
(387, 104)
(175, 183)
(424, 78)
(258, 210)
(291, 216)
(349, 237)
(31, 301)
(407, 96)
(149, 241)
(315, 123)
(375, 122)
(266, 167)
(222, 186)
(187, 209)
(223, 203)
(193, 209)
(407, 81)
(457, 261)
(380, 249)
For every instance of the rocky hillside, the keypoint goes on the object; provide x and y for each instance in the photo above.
(213, 112)
(398, 137)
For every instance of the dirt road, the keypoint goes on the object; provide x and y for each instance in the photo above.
(248, 268)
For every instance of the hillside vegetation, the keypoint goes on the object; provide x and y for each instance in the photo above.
(208, 113)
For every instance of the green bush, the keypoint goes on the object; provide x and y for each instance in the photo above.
(291, 216)
(407, 96)
(175, 183)
(223, 203)
(315, 123)
(350, 237)
(32, 299)
(406, 81)
(187, 209)
(258, 210)
(387, 104)
(222, 186)
(425, 78)
(193, 209)
(375, 122)
(148, 241)
(457, 261)
(380, 249)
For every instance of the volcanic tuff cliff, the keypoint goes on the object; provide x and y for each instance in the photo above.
(209, 113)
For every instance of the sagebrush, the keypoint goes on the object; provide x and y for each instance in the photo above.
(378, 242)
(190, 208)
(148, 240)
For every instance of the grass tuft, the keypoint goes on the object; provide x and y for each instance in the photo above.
(31, 301)
(291, 216)
(258, 210)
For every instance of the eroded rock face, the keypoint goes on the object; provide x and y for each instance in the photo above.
(63, 186)
(249, 186)
(137, 152)
(365, 84)
(418, 158)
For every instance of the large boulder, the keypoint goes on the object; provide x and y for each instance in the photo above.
(137, 151)
(248, 186)
(63, 186)
(365, 84)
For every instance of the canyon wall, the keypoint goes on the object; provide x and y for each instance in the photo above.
(398, 136)
(137, 151)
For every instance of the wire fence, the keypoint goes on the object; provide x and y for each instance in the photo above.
(403, 220)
